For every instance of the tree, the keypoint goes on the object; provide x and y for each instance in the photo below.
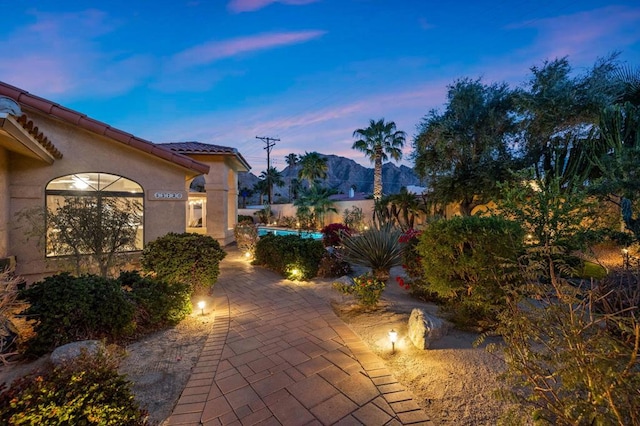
(315, 203)
(399, 209)
(378, 142)
(465, 150)
(312, 167)
(93, 229)
(245, 193)
(292, 161)
(559, 112)
(273, 178)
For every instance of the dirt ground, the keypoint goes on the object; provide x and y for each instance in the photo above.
(452, 381)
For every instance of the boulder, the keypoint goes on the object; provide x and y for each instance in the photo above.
(345, 279)
(73, 350)
(424, 329)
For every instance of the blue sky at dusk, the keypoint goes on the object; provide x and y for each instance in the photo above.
(308, 72)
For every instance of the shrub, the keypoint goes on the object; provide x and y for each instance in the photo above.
(9, 333)
(86, 391)
(245, 218)
(287, 222)
(158, 303)
(378, 248)
(290, 255)
(331, 233)
(188, 258)
(246, 234)
(354, 218)
(68, 309)
(464, 260)
(333, 265)
(366, 288)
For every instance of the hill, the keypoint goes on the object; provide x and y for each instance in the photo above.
(343, 174)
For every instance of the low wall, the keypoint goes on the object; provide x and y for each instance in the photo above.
(282, 210)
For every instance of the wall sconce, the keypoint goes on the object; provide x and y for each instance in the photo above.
(393, 338)
(201, 307)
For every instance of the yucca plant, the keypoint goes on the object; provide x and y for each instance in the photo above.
(378, 248)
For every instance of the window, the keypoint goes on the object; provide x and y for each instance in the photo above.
(196, 211)
(93, 213)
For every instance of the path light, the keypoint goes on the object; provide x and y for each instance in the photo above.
(201, 307)
(393, 337)
(247, 254)
(625, 258)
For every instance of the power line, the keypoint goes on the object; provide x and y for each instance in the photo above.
(269, 143)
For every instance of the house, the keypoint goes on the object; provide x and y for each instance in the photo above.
(48, 151)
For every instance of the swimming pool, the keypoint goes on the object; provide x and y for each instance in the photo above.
(263, 230)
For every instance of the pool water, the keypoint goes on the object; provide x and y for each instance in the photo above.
(262, 230)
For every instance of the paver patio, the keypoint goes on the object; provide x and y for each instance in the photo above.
(278, 355)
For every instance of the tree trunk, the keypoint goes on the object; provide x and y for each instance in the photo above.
(377, 178)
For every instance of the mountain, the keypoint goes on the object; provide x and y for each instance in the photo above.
(342, 174)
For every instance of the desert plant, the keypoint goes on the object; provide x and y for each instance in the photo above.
(85, 391)
(9, 333)
(246, 234)
(331, 233)
(290, 255)
(366, 288)
(264, 215)
(188, 258)
(158, 303)
(333, 265)
(354, 218)
(245, 218)
(287, 222)
(378, 248)
(466, 259)
(67, 309)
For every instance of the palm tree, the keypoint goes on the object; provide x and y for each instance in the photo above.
(292, 162)
(315, 202)
(273, 178)
(244, 193)
(312, 167)
(378, 142)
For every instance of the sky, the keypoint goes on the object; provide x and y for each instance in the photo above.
(307, 72)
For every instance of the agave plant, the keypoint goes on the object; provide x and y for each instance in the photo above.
(378, 248)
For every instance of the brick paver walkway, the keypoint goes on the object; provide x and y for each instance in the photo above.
(278, 355)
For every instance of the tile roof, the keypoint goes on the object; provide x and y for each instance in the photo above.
(39, 136)
(80, 120)
(204, 148)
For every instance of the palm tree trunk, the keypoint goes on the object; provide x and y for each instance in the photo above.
(377, 178)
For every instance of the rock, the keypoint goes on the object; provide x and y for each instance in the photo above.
(424, 329)
(73, 350)
(345, 279)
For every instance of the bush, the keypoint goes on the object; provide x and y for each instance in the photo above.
(290, 255)
(158, 303)
(333, 265)
(378, 248)
(87, 391)
(331, 233)
(245, 218)
(67, 309)
(464, 260)
(366, 288)
(246, 234)
(9, 333)
(354, 218)
(188, 258)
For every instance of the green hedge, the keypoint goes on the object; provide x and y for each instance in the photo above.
(290, 255)
(188, 258)
(466, 260)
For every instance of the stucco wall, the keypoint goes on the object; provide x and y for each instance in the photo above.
(4, 202)
(281, 210)
(86, 152)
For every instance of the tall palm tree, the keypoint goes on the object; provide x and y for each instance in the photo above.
(315, 202)
(378, 142)
(273, 178)
(312, 166)
(292, 161)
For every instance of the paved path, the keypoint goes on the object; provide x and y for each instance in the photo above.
(278, 355)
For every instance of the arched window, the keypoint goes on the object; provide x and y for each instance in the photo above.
(93, 213)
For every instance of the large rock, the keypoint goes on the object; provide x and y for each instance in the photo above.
(424, 329)
(73, 350)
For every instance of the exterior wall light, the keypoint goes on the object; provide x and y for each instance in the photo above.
(201, 307)
(393, 338)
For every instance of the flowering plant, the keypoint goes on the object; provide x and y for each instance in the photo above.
(366, 288)
(411, 260)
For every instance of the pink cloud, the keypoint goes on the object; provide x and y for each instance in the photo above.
(238, 6)
(215, 50)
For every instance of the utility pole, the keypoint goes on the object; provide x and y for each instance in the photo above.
(269, 143)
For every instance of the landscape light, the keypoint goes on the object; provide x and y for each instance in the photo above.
(247, 254)
(201, 307)
(393, 337)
